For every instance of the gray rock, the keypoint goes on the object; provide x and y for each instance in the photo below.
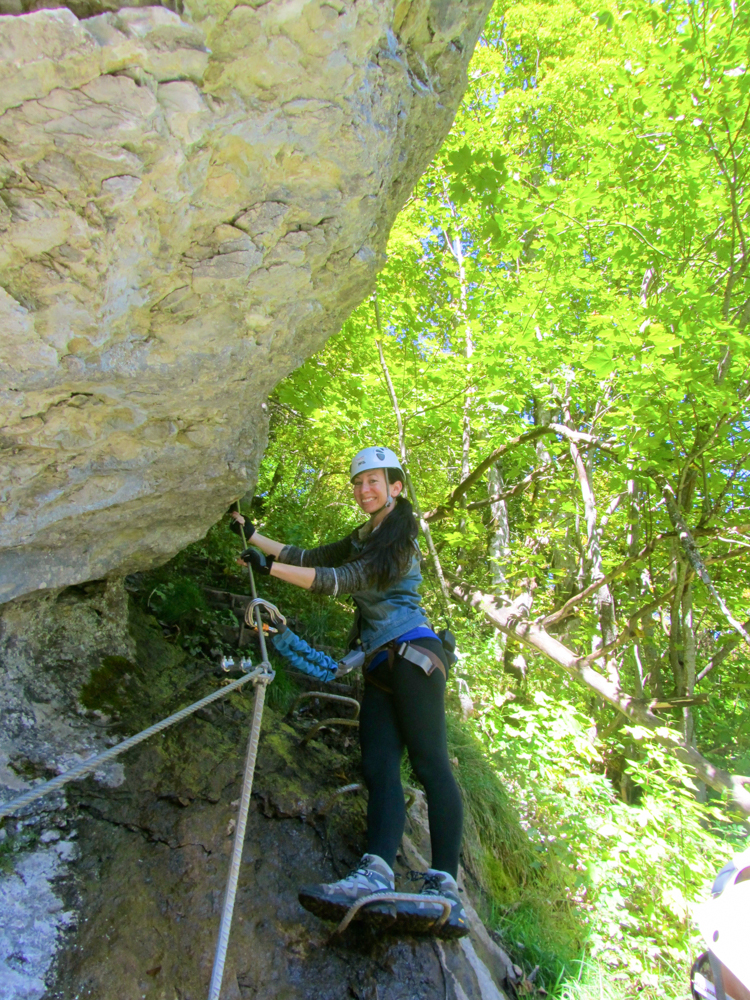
(190, 205)
(153, 865)
(66, 850)
(32, 917)
(49, 644)
(151, 855)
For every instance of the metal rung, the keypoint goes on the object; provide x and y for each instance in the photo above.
(409, 798)
(397, 897)
(332, 799)
(339, 699)
(326, 724)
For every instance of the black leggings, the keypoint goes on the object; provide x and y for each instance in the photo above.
(412, 716)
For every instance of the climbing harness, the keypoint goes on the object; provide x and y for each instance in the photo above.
(353, 660)
(423, 658)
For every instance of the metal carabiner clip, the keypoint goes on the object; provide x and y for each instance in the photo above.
(277, 619)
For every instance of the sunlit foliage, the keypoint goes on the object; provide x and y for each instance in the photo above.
(576, 255)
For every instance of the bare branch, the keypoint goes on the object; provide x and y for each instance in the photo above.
(513, 621)
(613, 505)
(570, 604)
(405, 459)
(658, 704)
(714, 508)
(484, 465)
(721, 654)
(438, 513)
(603, 600)
(576, 599)
(629, 631)
(420, 411)
(741, 550)
(577, 437)
(694, 556)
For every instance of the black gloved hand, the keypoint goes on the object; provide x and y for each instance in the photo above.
(261, 563)
(248, 527)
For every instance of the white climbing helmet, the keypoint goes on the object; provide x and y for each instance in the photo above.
(374, 458)
(724, 922)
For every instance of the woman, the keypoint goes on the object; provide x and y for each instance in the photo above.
(403, 705)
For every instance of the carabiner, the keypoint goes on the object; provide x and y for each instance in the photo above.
(277, 619)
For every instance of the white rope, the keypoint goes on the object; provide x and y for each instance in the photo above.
(92, 763)
(217, 974)
(227, 912)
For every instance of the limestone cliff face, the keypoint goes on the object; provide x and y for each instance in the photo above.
(190, 204)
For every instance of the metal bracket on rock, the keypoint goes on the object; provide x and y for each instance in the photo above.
(326, 724)
(339, 699)
(332, 800)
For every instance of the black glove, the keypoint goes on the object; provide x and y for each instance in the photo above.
(261, 563)
(248, 527)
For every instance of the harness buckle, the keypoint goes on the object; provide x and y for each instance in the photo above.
(407, 652)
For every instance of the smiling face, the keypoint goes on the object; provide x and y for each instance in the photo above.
(370, 491)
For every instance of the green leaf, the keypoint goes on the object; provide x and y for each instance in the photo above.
(460, 160)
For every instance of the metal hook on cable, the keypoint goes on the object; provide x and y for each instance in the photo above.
(277, 619)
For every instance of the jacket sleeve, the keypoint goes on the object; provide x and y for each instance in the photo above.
(324, 555)
(348, 579)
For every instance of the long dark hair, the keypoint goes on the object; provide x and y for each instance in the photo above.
(390, 548)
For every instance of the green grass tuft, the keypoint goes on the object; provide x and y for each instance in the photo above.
(495, 846)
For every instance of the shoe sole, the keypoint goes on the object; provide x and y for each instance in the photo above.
(381, 915)
(415, 923)
(449, 932)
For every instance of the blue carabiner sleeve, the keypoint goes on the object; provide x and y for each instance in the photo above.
(303, 657)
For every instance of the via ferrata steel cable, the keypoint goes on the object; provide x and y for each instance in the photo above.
(225, 926)
(92, 763)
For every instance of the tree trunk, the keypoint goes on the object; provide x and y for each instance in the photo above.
(405, 462)
(513, 621)
(457, 251)
(499, 553)
(603, 599)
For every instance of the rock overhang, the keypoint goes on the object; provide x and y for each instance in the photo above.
(190, 205)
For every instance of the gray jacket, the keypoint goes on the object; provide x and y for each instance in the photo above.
(340, 568)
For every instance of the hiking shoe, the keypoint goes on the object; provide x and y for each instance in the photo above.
(420, 918)
(331, 901)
